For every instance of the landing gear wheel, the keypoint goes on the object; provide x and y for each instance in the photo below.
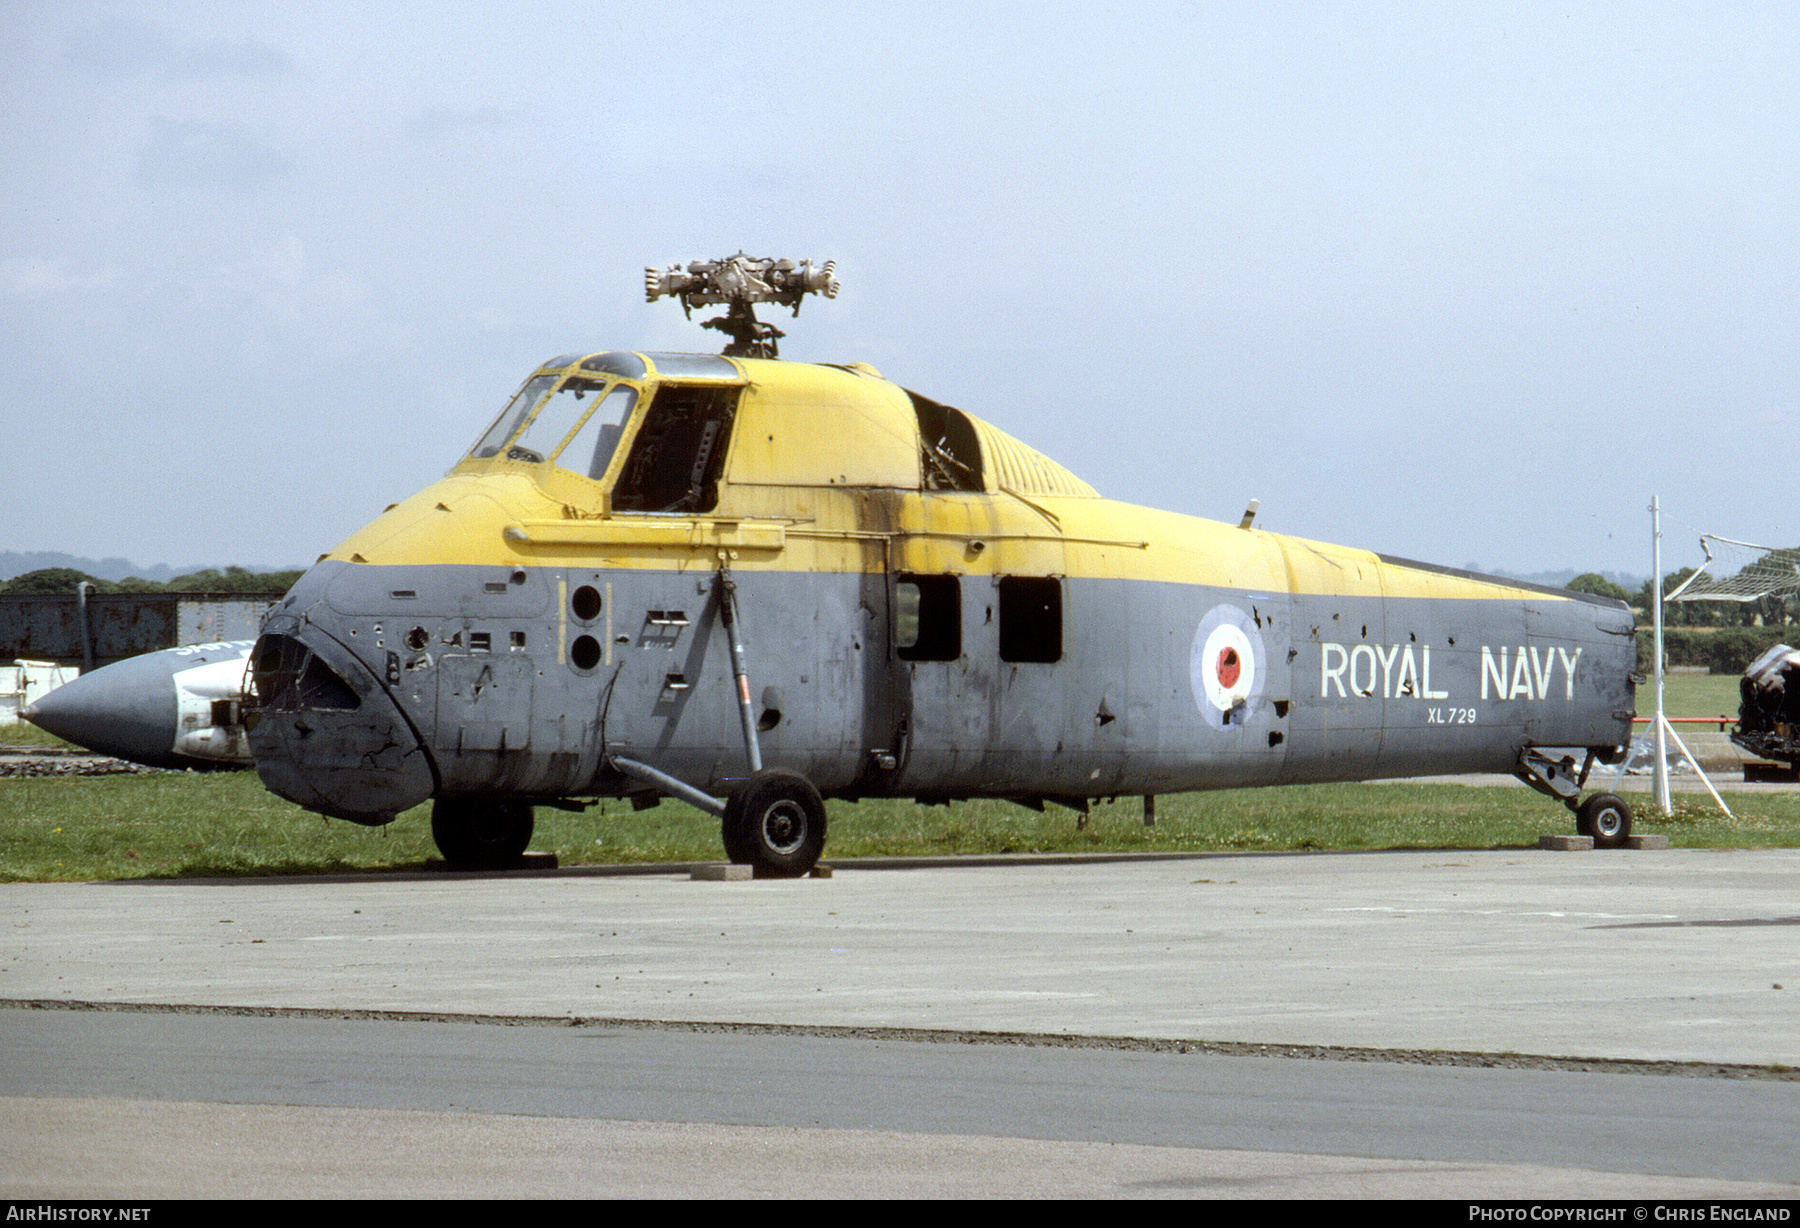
(776, 822)
(731, 828)
(1607, 818)
(481, 833)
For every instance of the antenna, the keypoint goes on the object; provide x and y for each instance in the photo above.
(739, 281)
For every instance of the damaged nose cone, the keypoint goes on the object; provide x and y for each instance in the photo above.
(326, 735)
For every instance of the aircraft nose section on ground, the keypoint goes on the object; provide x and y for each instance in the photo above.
(326, 734)
(126, 710)
(177, 708)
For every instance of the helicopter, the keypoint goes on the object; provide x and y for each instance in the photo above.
(757, 585)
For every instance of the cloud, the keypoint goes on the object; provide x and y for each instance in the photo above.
(127, 48)
(441, 122)
(32, 277)
(285, 262)
(214, 154)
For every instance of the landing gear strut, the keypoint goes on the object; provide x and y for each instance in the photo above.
(775, 821)
(1604, 816)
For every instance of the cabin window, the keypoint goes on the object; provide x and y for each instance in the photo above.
(1031, 618)
(949, 452)
(679, 451)
(927, 618)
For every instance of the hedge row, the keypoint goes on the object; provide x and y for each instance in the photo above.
(1725, 650)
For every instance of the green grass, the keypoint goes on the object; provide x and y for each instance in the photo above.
(24, 733)
(1692, 695)
(184, 825)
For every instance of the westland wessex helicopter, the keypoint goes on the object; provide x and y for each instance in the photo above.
(754, 585)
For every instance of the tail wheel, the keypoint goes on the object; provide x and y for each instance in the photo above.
(481, 833)
(1607, 818)
(776, 823)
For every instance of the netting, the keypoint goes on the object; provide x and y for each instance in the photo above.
(1740, 571)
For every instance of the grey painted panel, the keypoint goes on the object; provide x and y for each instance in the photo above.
(1160, 687)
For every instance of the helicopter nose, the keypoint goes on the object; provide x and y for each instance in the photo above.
(326, 734)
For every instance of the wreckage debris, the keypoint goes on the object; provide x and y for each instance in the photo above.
(1769, 715)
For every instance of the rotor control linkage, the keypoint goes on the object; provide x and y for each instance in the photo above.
(740, 673)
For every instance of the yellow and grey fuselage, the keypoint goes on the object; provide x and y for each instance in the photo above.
(927, 608)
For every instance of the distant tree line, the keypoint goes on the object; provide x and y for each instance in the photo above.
(1723, 637)
(209, 580)
(1720, 650)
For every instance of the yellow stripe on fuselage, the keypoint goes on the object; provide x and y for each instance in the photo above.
(501, 518)
(857, 435)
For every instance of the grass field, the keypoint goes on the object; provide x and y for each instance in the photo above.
(25, 734)
(224, 823)
(1693, 695)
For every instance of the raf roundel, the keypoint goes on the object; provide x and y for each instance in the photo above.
(1226, 667)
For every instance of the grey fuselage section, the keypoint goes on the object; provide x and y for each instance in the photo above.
(528, 681)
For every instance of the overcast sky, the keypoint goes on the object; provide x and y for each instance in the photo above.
(1464, 283)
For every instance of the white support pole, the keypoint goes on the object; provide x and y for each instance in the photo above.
(1664, 730)
(1661, 785)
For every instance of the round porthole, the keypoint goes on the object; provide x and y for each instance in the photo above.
(584, 653)
(586, 603)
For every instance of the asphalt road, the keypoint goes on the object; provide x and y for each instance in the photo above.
(1671, 972)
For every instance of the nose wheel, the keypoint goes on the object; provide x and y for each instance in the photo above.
(775, 823)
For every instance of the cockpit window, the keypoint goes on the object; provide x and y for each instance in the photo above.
(555, 418)
(578, 426)
(694, 366)
(591, 447)
(510, 418)
(616, 362)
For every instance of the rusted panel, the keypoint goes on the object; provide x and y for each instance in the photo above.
(212, 618)
(48, 627)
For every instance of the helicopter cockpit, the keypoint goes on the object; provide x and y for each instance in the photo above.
(572, 414)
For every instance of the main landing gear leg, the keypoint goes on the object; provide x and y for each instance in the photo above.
(775, 821)
(1604, 816)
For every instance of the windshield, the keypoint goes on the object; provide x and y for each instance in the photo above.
(509, 419)
(554, 419)
(578, 426)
